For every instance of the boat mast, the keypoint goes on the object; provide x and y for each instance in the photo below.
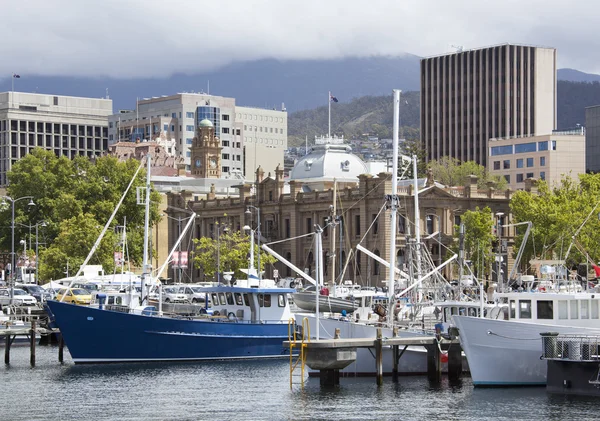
(333, 223)
(145, 265)
(394, 208)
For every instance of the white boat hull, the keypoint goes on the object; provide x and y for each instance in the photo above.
(413, 360)
(507, 353)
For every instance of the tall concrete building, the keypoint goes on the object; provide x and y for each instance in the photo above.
(592, 139)
(469, 97)
(68, 126)
(250, 137)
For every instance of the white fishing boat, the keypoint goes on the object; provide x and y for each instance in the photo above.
(504, 349)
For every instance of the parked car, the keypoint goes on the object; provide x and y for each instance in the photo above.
(194, 293)
(74, 295)
(20, 297)
(36, 291)
(172, 295)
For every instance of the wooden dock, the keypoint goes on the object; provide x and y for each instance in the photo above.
(331, 355)
(11, 333)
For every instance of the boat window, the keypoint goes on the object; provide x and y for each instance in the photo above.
(563, 310)
(111, 300)
(454, 310)
(215, 298)
(524, 309)
(368, 301)
(119, 301)
(238, 299)
(584, 309)
(447, 314)
(473, 312)
(229, 298)
(281, 300)
(462, 311)
(545, 310)
(246, 300)
(513, 310)
(264, 300)
(574, 309)
(594, 309)
(222, 299)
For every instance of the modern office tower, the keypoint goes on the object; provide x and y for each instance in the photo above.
(592, 139)
(249, 137)
(69, 126)
(471, 96)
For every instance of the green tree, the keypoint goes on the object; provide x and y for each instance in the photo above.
(234, 249)
(66, 190)
(478, 226)
(558, 215)
(451, 172)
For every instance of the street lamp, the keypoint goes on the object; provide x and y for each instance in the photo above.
(225, 229)
(249, 212)
(12, 251)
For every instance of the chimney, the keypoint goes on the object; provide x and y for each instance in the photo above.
(471, 186)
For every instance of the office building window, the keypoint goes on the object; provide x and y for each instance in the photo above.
(553, 145)
(542, 175)
(172, 127)
(188, 154)
(238, 157)
(506, 164)
(497, 150)
(520, 163)
(189, 114)
(519, 178)
(225, 156)
(525, 147)
(174, 115)
(166, 127)
(529, 175)
(225, 130)
(507, 178)
(496, 165)
(357, 224)
(237, 132)
(542, 161)
(188, 141)
(529, 162)
(225, 169)
(237, 145)
(543, 146)
(189, 127)
(225, 117)
(225, 143)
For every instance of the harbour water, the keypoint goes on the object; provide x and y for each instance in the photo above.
(250, 390)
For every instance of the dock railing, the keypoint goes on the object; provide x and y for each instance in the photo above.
(570, 347)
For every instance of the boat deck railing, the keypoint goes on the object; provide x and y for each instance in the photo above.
(570, 347)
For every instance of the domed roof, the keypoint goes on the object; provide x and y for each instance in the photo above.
(205, 123)
(327, 162)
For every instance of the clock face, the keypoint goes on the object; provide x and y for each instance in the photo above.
(198, 162)
(212, 162)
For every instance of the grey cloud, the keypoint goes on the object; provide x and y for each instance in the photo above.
(151, 38)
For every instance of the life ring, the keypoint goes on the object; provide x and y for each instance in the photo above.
(231, 317)
(216, 313)
(542, 289)
(202, 311)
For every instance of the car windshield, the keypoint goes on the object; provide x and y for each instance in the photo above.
(79, 291)
(197, 289)
(170, 290)
(19, 292)
(35, 288)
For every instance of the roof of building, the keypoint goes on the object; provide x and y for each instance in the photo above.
(327, 162)
(205, 123)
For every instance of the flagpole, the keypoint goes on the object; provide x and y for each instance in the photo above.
(329, 103)
(12, 78)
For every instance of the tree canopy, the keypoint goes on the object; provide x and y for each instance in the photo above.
(559, 215)
(478, 226)
(451, 172)
(73, 200)
(234, 249)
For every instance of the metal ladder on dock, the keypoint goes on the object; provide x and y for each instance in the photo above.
(300, 345)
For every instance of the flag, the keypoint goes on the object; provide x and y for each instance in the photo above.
(16, 76)
(332, 98)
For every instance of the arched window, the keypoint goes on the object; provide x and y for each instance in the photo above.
(400, 259)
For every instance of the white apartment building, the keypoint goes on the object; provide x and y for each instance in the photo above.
(68, 126)
(250, 137)
(545, 157)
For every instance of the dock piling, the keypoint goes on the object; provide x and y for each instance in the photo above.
(32, 333)
(61, 346)
(454, 362)
(379, 357)
(7, 342)
(395, 356)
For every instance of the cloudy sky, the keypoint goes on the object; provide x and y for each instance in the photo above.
(140, 38)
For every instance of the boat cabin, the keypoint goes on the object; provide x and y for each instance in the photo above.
(251, 304)
(580, 309)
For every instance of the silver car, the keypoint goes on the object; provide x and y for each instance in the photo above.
(20, 297)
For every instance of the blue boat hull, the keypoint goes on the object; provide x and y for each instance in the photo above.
(93, 335)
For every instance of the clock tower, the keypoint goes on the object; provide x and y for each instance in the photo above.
(206, 152)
